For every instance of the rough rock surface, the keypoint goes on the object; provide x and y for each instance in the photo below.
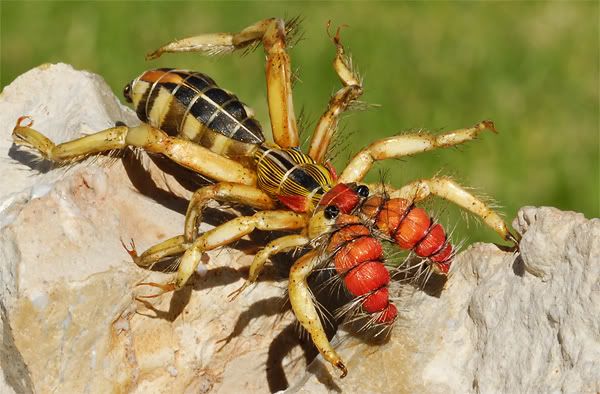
(69, 322)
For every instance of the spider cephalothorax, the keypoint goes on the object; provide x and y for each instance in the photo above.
(202, 127)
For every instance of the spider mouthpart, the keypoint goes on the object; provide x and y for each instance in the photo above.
(127, 93)
(331, 212)
(363, 191)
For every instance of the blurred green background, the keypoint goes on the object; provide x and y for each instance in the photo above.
(532, 67)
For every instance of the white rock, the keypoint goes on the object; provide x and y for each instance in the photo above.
(70, 323)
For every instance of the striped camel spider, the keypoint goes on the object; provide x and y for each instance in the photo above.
(190, 120)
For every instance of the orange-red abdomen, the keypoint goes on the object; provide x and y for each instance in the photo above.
(388, 315)
(377, 300)
(367, 277)
(357, 257)
(413, 228)
(353, 253)
(432, 242)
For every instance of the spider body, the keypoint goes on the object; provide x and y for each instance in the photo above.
(191, 105)
(198, 125)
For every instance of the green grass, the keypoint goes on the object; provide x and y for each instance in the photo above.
(532, 67)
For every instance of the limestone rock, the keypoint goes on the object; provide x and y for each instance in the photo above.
(502, 323)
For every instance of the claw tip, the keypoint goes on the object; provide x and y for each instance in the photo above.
(488, 124)
(340, 365)
(21, 119)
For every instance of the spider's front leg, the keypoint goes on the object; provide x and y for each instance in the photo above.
(226, 234)
(183, 152)
(407, 145)
(303, 306)
(449, 190)
(272, 33)
(223, 192)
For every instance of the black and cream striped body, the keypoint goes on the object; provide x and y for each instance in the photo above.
(190, 105)
(292, 177)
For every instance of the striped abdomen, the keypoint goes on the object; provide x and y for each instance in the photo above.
(292, 177)
(191, 105)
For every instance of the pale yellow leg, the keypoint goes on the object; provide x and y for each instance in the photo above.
(449, 190)
(279, 245)
(228, 233)
(406, 145)
(170, 247)
(183, 152)
(351, 91)
(223, 191)
(305, 311)
(272, 33)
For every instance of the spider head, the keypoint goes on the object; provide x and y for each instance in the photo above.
(345, 196)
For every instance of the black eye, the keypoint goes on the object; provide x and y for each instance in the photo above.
(127, 93)
(362, 191)
(331, 212)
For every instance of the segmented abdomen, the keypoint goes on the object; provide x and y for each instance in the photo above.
(358, 259)
(191, 105)
(411, 228)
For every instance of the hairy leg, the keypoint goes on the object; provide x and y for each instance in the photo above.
(406, 145)
(305, 311)
(183, 152)
(339, 102)
(279, 245)
(228, 233)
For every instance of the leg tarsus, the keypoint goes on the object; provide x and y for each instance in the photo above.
(131, 250)
(235, 294)
(166, 288)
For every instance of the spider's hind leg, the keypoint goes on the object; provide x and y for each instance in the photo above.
(151, 139)
(272, 33)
